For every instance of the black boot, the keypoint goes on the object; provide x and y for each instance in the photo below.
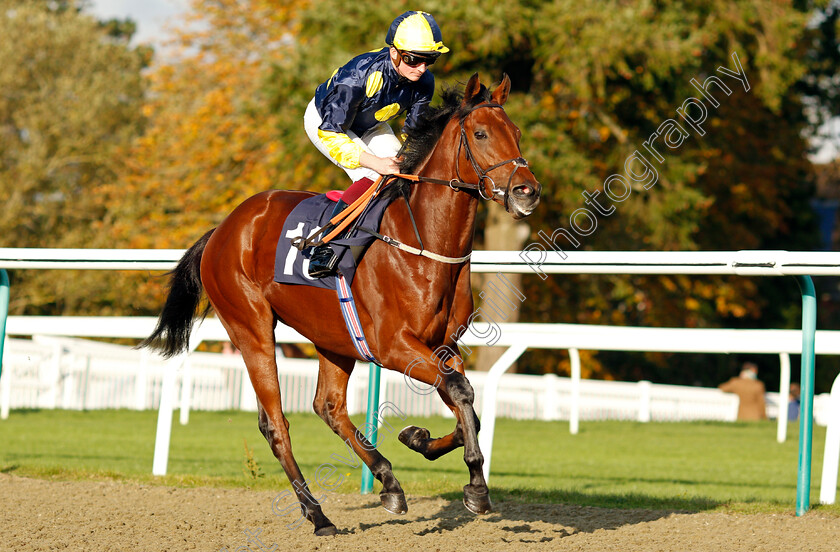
(323, 260)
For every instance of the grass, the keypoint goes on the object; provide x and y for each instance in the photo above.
(680, 466)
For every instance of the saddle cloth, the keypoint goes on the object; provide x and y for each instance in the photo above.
(291, 266)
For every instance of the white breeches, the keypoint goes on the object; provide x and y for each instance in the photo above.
(379, 141)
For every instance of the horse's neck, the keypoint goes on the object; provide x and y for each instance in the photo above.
(445, 218)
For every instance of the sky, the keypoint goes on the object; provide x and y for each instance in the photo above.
(151, 16)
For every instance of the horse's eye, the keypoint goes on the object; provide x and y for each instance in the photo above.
(480, 135)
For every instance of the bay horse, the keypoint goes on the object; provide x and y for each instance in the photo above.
(413, 309)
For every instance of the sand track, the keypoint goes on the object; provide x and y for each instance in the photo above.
(95, 515)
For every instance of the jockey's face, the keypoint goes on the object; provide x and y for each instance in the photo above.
(412, 73)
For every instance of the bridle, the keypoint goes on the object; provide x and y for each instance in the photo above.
(480, 187)
(483, 173)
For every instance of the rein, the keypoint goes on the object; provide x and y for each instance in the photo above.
(414, 250)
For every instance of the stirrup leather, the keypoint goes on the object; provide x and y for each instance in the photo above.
(324, 261)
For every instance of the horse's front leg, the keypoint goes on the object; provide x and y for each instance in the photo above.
(476, 494)
(419, 439)
(456, 390)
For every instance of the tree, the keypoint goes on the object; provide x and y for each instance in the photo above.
(212, 138)
(821, 54)
(592, 82)
(613, 75)
(69, 97)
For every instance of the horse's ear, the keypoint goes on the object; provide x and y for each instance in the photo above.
(500, 95)
(473, 88)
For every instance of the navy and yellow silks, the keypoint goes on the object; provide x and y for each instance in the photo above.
(363, 93)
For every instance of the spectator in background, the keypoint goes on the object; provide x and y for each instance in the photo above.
(228, 349)
(793, 404)
(750, 391)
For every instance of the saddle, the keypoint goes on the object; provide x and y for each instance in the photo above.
(302, 229)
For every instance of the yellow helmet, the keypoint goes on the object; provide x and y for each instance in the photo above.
(416, 31)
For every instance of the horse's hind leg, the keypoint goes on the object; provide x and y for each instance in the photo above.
(251, 328)
(331, 406)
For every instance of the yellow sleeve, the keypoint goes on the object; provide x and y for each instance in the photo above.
(341, 148)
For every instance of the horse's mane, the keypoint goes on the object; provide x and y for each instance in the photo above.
(421, 140)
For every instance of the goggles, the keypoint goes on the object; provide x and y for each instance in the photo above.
(413, 60)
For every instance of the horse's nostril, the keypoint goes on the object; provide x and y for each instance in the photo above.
(524, 190)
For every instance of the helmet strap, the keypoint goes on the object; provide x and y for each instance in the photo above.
(393, 52)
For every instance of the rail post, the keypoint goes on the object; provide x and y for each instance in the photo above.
(4, 312)
(806, 413)
(371, 422)
(831, 455)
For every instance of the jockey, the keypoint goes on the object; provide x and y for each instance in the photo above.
(347, 118)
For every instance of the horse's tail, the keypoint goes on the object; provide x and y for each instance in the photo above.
(172, 334)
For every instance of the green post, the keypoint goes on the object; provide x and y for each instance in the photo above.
(371, 422)
(806, 418)
(4, 311)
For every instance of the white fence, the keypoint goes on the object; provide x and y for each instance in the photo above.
(79, 374)
(541, 259)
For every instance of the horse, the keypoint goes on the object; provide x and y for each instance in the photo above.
(412, 308)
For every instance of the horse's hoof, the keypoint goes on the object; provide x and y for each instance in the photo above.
(477, 501)
(326, 531)
(394, 502)
(413, 437)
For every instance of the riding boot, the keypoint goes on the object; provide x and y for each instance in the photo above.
(324, 261)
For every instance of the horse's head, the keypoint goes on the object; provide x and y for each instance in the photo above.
(489, 148)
